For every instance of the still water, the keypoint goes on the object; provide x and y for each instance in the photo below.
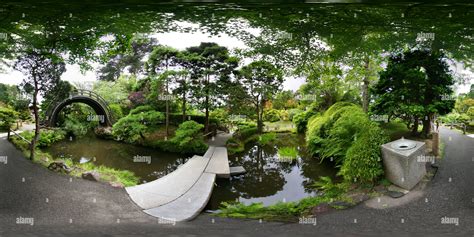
(268, 180)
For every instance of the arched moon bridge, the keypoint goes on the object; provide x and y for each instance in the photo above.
(95, 101)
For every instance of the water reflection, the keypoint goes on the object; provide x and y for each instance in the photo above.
(268, 179)
(118, 155)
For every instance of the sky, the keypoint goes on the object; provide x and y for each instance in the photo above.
(183, 40)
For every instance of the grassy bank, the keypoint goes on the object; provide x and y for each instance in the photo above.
(118, 177)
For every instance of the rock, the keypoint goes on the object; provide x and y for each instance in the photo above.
(359, 197)
(395, 194)
(104, 132)
(91, 175)
(380, 188)
(116, 185)
(321, 208)
(59, 166)
(340, 204)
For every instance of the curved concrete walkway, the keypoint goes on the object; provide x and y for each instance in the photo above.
(183, 194)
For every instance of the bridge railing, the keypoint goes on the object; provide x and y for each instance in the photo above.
(81, 92)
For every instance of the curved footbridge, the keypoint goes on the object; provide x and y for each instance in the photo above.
(183, 194)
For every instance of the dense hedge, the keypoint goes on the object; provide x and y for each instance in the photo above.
(345, 134)
(133, 126)
(188, 139)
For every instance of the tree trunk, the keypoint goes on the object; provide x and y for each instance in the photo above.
(259, 128)
(414, 130)
(427, 126)
(37, 126)
(184, 107)
(167, 109)
(260, 106)
(167, 117)
(365, 87)
(206, 125)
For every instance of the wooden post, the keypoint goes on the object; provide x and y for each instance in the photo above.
(435, 144)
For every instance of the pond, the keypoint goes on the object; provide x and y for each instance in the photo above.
(268, 178)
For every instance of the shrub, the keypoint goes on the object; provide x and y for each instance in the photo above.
(345, 133)
(133, 126)
(301, 120)
(246, 133)
(75, 127)
(288, 153)
(7, 118)
(140, 109)
(220, 115)
(284, 115)
(318, 135)
(189, 139)
(362, 163)
(116, 111)
(293, 112)
(271, 115)
(267, 138)
(234, 146)
(46, 137)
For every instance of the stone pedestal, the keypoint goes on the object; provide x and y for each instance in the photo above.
(404, 162)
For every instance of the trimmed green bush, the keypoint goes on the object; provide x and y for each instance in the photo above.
(140, 109)
(133, 126)
(189, 138)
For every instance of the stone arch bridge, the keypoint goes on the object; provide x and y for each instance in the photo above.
(95, 101)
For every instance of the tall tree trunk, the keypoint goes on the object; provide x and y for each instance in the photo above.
(206, 125)
(167, 106)
(426, 126)
(260, 106)
(365, 86)
(414, 130)
(184, 106)
(259, 128)
(37, 125)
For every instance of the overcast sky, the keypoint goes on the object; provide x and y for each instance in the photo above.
(182, 41)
